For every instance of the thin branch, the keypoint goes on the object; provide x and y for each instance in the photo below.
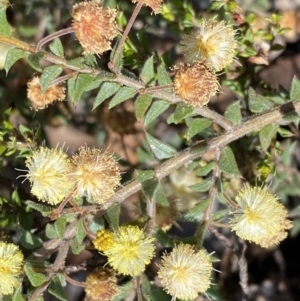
(126, 32)
(53, 36)
(243, 271)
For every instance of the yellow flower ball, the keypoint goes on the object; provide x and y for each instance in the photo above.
(48, 173)
(130, 251)
(260, 218)
(212, 42)
(11, 260)
(185, 272)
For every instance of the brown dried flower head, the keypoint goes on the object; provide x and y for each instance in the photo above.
(96, 175)
(41, 100)
(195, 83)
(101, 285)
(95, 26)
(155, 5)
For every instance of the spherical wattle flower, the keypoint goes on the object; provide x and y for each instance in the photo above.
(155, 5)
(195, 83)
(212, 42)
(103, 241)
(96, 175)
(185, 272)
(101, 285)
(11, 260)
(48, 173)
(40, 100)
(130, 251)
(94, 26)
(260, 218)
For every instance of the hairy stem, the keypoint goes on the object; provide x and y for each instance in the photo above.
(126, 32)
(53, 36)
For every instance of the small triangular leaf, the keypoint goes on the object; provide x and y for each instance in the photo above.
(82, 82)
(196, 126)
(156, 109)
(4, 26)
(182, 110)
(159, 149)
(34, 61)
(36, 279)
(227, 162)
(233, 112)
(49, 74)
(197, 212)
(266, 135)
(12, 56)
(123, 94)
(56, 289)
(202, 186)
(57, 48)
(112, 216)
(147, 74)
(295, 89)
(107, 90)
(143, 175)
(142, 104)
(258, 103)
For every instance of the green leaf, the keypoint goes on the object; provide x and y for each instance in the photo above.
(219, 215)
(196, 213)
(80, 232)
(57, 48)
(51, 232)
(182, 110)
(196, 126)
(142, 104)
(145, 288)
(258, 103)
(90, 60)
(60, 226)
(18, 295)
(295, 89)
(266, 135)
(284, 133)
(162, 238)
(43, 209)
(78, 62)
(159, 149)
(143, 175)
(97, 81)
(205, 170)
(202, 186)
(36, 279)
(233, 112)
(12, 56)
(160, 197)
(28, 240)
(157, 108)
(163, 76)
(34, 61)
(112, 216)
(124, 291)
(77, 247)
(82, 82)
(149, 188)
(4, 26)
(147, 74)
(228, 163)
(71, 89)
(107, 90)
(119, 61)
(49, 74)
(56, 289)
(123, 94)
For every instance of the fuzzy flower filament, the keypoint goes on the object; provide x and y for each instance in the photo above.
(261, 218)
(96, 175)
(195, 83)
(95, 26)
(185, 272)
(48, 173)
(212, 42)
(11, 261)
(131, 251)
(40, 100)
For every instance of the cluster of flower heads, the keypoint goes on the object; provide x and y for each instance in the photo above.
(210, 48)
(260, 217)
(91, 173)
(11, 261)
(184, 272)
